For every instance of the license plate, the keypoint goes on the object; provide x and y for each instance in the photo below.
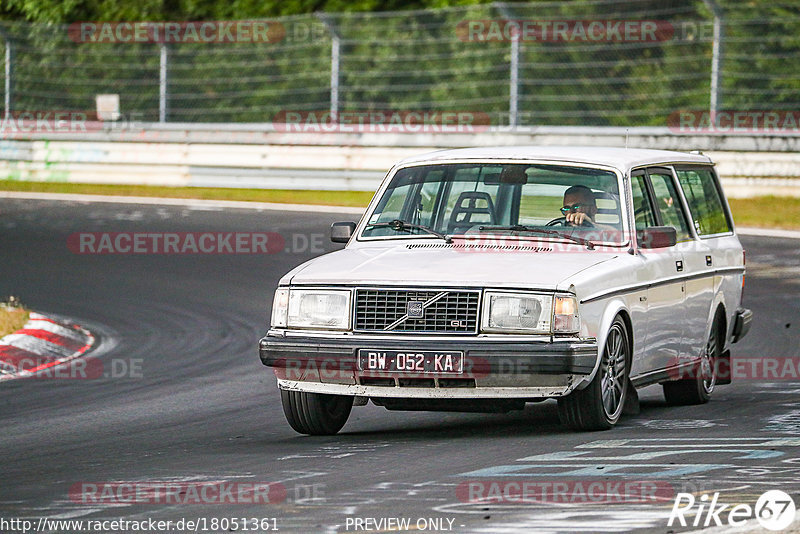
(411, 361)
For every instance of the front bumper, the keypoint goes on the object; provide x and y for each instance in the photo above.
(493, 367)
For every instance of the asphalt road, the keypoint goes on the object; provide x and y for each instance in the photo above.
(191, 402)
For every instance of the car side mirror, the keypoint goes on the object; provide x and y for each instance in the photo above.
(657, 237)
(341, 232)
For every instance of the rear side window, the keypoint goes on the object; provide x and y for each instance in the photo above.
(669, 206)
(705, 201)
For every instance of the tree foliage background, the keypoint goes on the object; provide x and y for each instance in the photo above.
(67, 11)
(397, 55)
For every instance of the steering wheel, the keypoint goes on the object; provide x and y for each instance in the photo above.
(562, 221)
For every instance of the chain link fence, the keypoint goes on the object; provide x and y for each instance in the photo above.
(586, 62)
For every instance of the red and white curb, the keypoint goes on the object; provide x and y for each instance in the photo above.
(41, 344)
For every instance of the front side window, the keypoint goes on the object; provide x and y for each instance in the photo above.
(479, 198)
(705, 201)
(643, 212)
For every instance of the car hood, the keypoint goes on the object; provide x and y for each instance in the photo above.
(449, 265)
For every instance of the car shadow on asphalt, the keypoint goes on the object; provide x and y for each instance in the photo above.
(374, 424)
(535, 419)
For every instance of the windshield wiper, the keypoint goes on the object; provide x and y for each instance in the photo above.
(523, 228)
(402, 226)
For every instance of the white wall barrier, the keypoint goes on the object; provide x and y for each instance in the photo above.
(257, 156)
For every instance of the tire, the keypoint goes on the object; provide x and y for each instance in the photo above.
(316, 414)
(698, 388)
(599, 405)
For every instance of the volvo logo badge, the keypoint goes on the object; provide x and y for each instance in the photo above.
(414, 310)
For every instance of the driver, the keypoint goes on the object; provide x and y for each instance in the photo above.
(580, 207)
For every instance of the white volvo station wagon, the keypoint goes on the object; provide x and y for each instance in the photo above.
(482, 279)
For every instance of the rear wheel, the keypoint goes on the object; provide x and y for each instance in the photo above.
(698, 388)
(599, 405)
(314, 413)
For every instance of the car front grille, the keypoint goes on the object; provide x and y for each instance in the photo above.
(443, 311)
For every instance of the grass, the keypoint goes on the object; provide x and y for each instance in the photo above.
(12, 319)
(764, 212)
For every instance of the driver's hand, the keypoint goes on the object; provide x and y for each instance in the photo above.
(579, 219)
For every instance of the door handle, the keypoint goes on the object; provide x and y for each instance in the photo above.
(679, 266)
(709, 260)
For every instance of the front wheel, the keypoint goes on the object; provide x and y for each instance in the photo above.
(316, 414)
(599, 405)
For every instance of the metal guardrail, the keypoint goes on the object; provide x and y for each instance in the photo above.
(261, 156)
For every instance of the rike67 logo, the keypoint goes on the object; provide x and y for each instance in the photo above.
(775, 510)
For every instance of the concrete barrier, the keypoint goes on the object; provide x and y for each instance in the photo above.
(258, 156)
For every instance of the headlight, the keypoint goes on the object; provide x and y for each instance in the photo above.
(318, 308)
(517, 312)
(529, 313)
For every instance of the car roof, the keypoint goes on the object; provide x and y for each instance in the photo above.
(619, 158)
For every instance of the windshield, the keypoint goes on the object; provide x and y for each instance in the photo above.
(473, 199)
